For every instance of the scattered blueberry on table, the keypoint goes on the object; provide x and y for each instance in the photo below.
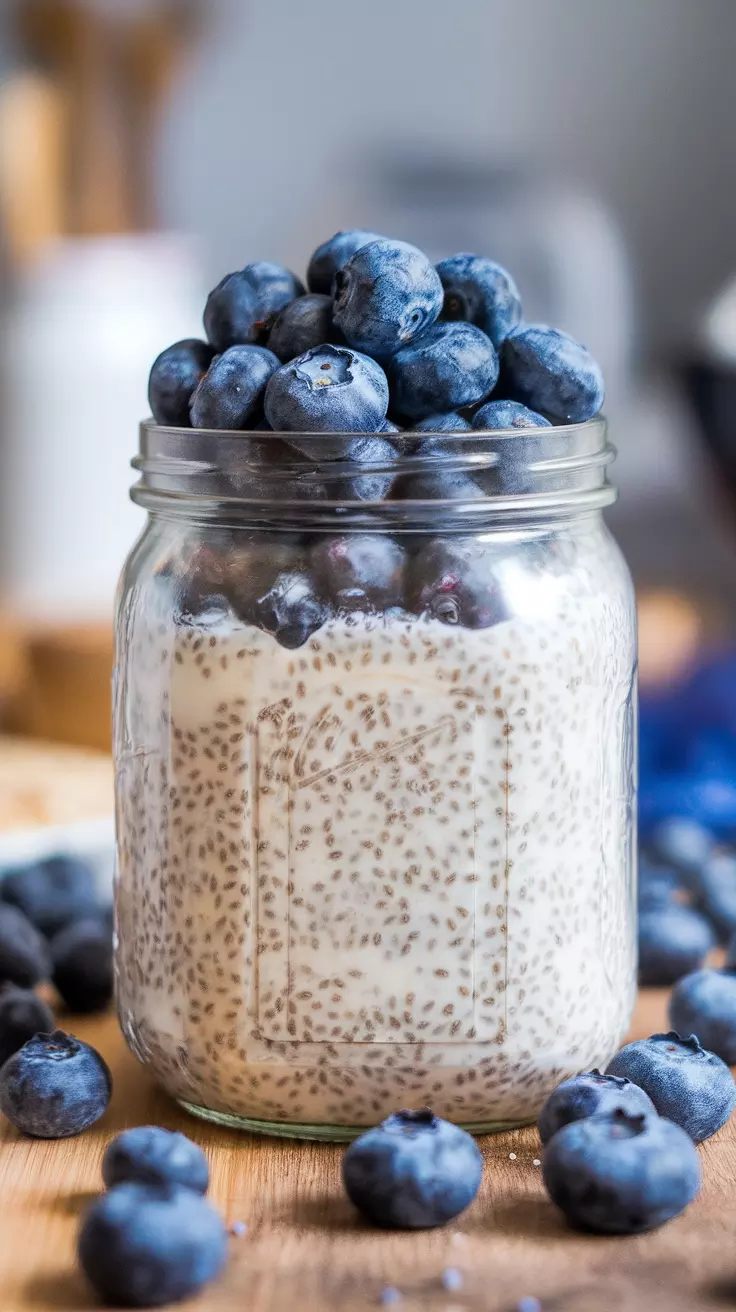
(658, 885)
(620, 1172)
(53, 892)
(704, 1003)
(82, 966)
(687, 1083)
(713, 887)
(22, 1014)
(413, 1172)
(681, 843)
(590, 1094)
(145, 1245)
(673, 940)
(151, 1155)
(24, 952)
(54, 1086)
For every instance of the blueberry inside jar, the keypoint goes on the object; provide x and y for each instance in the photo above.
(374, 750)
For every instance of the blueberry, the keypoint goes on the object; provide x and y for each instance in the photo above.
(621, 1174)
(24, 953)
(480, 292)
(54, 1086)
(449, 422)
(657, 886)
(143, 1246)
(592, 1094)
(200, 585)
(450, 365)
(687, 1084)
(231, 393)
(243, 306)
(508, 414)
(52, 892)
(22, 1015)
(148, 1154)
(452, 580)
(704, 1004)
(552, 373)
(327, 390)
(372, 474)
(682, 843)
(360, 571)
(174, 376)
(386, 294)
(81, 956)
(714, 889)
(412, 1172)
(270, 587)
(333, 254)
(302, 325)
(272, 470)
(443, 478)
(673, 940)
(388, 426)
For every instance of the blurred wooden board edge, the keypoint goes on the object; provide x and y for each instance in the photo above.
(305, 1246)
(51, 785)
(62, 689)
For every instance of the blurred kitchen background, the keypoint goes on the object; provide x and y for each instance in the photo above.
(146, 148)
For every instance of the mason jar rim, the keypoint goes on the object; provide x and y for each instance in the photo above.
(557, 472)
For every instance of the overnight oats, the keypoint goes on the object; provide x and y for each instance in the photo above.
(375, 751)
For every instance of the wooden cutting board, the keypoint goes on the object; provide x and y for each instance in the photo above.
(305, 1249)
(65, 694)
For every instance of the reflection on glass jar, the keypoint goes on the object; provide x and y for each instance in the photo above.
(375, 774)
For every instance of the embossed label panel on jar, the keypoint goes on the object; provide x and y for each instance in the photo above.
(373, 807)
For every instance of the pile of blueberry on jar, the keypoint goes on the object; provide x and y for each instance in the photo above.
(377, 384)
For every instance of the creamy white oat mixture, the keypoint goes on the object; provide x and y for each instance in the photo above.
(386, 869)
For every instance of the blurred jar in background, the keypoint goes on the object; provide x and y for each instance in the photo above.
(97, 290)
(78, 338)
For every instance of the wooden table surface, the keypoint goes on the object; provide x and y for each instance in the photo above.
(305, 1248)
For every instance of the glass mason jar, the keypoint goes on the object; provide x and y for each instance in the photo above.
(375, 765)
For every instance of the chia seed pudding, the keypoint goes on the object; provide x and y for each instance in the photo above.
(392, 867)
(374, 704)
